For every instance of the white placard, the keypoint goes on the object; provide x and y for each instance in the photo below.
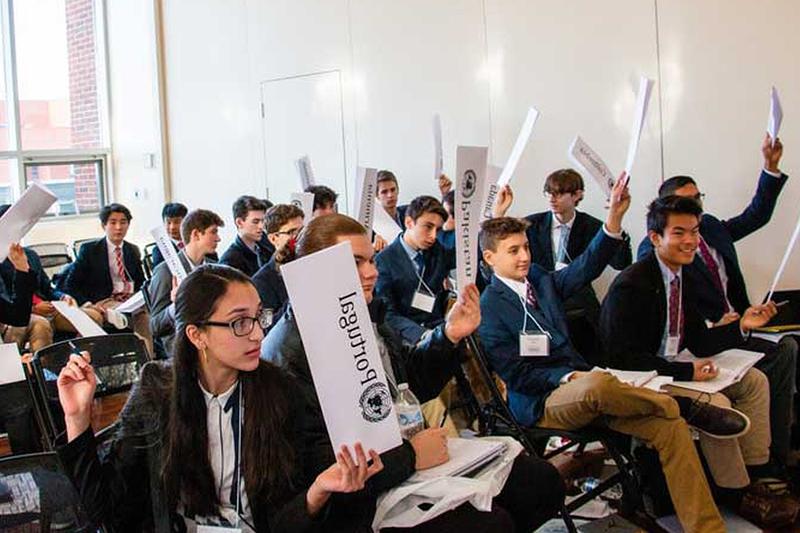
(168, 252)
(132, 304)
(75, 315)
(11, 370)
(785, 259)
(588, 162)
(365, 206)
(471, 170)
(306, 172)
(20, 217)
(305, 201)
(383, 224)
(519, 146)
(642, 100)
(438, 167)
(341, 349)
(775, 115)
(490, 191)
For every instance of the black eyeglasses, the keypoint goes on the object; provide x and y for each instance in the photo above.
(294, 232)
(243, 326)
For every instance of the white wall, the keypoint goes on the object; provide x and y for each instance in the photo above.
(481, 63)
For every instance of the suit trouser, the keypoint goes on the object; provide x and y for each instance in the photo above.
(779, 364)
(727, 458)
(651, 417)
(38, 332)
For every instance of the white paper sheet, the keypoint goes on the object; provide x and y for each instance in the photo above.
(75, 315)
(471, 169)
(642, 101)
(132, 304)
(305, 201)
(168, 252)
(519, 147)
(383, 224)
(775, 115)
(306, 172)
(341, 349)
(785, 260)
(21, 217)
(438, 167)
(732, 366)
(365, 196)
(11, 370)
(588, 162)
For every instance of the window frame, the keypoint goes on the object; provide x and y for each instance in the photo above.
(32, 157)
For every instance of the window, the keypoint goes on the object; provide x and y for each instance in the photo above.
(53, 102)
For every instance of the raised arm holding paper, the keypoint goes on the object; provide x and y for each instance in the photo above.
(427, 366)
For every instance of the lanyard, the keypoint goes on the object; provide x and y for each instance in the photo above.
(529, 315)
(419, 277)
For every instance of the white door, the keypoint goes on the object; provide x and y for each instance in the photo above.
(302, 115)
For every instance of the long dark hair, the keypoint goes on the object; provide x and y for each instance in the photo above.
(267, 453)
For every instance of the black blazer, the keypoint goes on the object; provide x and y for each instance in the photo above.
(271, 288)
(16, 293)
(634, 315)
(584, 229)
(238, 255)
(721, 235)
(89, 277)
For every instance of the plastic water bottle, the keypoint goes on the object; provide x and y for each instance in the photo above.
(409, 413)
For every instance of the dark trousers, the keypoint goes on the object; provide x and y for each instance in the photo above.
(533, 493)
(17, 416)
(779, 364)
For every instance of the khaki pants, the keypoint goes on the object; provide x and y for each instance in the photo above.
(727, 458)
(38, 332)
(139, 321)
(651, 417)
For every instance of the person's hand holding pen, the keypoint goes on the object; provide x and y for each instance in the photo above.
(704, 370)
(758, 316)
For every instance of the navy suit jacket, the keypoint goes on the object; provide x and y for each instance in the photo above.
(531, 379)
(634, 316)
(16, 296)
(89, 278)
(398, 281)
(238, 255)
(271, 288)
(721, 235)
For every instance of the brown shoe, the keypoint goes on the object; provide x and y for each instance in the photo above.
(768, 506)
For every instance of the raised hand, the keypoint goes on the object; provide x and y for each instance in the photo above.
(619, 202)
(505, 197)
(465, 316)
(445, 184)
(76, 385)
(772, 153)
(18, 258)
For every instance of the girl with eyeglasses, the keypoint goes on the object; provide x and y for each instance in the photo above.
(210, 438)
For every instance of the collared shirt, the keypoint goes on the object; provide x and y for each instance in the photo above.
(667, 276)
(723, 274)
(520, 288)
(222, 420)
(412, 253)
(555, 234)
(118, 284)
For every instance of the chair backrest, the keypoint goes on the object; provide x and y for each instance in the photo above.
(117, 361)
(76, 245)
(50, 248)
(42, 496)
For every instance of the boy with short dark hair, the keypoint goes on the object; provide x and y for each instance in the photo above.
(246, 253)
(324, 200)
(171, 215)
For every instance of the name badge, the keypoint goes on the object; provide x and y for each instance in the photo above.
(561, 266)
(423, 302)
(534, 345)
(673, 343)
(217, 529)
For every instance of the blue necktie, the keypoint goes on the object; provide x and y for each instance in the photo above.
(562, 244)
(419, 260)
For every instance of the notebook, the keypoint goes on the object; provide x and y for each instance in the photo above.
(648, 379)
(732, 365)
(465, 456)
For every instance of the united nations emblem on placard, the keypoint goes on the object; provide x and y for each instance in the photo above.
(468, 185)
(376, 402)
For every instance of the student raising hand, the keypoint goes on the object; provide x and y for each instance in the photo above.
(620, 201)
(772, 153)
(76, 385)
(465, 316)
(342, 476)
(18, 258)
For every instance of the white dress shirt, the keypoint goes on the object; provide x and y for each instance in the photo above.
(555, 234)
(119, 286)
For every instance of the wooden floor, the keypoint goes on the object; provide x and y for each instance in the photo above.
(104, 413)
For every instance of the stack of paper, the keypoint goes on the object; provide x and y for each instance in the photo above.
(465, 456)
(732, 366)
(648, 379)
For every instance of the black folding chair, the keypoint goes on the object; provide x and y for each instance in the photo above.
(37, 495)
(76, 245)
(147, 260)
(496, 418)
(117, 361)
(54, 255)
